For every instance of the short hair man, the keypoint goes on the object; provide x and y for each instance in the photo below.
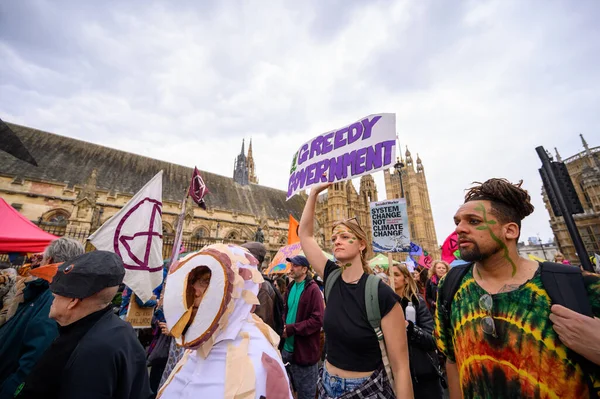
(28, 331)
(96, 355)
(303, 315)
(498, 336)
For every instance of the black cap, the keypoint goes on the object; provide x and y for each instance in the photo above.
(299, 260)
(88, 274)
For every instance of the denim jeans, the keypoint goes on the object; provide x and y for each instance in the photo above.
(304, 378)
(337, 386)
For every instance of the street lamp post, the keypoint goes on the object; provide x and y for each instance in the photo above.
(542, 245)
(398, 166)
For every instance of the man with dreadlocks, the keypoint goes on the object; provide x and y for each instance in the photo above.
(493, 318)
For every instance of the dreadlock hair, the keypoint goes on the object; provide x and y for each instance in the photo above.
(510, 203)
(354, 227)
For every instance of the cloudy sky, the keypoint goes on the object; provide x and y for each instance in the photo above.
(476, 85)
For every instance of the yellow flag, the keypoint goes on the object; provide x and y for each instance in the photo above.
(535, 258)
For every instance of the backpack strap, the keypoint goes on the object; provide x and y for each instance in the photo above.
(331, 279)
(564, 285)
(452, 281)
(372, 304)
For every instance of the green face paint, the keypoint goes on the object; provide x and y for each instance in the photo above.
(486, 226)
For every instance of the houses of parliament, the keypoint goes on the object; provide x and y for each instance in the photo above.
(77, 186)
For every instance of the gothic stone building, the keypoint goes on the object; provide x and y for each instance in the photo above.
(584, 170)
(342, 201)
(78, 186)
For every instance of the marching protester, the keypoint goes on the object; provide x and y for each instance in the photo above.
(495, 316)
(270, 309)
(437, 271)
(96, 354)
(356, 362)
(303, 317)
(424, 365)
(29, 332)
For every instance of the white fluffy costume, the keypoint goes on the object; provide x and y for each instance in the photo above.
(232, 353)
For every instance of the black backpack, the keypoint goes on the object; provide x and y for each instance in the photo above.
(563, 283)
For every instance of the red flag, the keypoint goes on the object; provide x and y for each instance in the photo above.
(293, 231)
(449, 247)
(198, 189)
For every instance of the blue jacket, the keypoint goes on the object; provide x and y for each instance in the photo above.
(126, 297)
(26, 336)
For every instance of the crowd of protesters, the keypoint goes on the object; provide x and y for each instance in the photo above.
(491, 328)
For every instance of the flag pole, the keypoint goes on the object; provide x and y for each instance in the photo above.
(178, 232)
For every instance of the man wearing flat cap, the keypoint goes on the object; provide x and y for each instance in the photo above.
(303, 315)
(96, 354)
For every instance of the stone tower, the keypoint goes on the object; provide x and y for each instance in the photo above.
(584, 170)
(240, 169)
(250, 163)
(415, 190)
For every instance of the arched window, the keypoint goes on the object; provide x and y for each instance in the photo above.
(57, 217)
(167, 229)
(200, 232)
(232, 235)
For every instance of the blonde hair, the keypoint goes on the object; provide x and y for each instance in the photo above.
(558, 254)
(410, 290)
(433, 268)
(361, 235)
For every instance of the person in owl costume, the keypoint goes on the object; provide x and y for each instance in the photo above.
(230, 352)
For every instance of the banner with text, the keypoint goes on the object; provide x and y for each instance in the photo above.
(389, 221)
(363, 147)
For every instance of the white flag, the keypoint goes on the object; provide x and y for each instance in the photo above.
(135, 234)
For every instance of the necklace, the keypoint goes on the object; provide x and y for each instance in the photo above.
(354, 281)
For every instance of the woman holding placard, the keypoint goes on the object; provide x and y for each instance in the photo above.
(360, 349)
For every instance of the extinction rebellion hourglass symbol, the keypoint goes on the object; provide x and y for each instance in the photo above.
(135, 248)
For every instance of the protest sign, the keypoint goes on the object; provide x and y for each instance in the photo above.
(390, 226)
(138, 316)
(363, 147)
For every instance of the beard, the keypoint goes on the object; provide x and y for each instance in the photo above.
(476, 255)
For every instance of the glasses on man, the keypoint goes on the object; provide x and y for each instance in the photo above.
(488, 325)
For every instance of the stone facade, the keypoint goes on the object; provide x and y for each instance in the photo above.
(584, 170)
(413, 184)
(342, 201)
(542, 251)
(78, 186)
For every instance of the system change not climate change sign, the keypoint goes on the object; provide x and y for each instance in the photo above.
(390, 226)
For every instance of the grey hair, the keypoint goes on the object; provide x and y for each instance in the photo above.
(63, 249)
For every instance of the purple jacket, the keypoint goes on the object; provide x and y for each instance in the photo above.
(307, 328)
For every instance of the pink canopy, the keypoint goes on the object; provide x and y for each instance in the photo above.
(17, 234)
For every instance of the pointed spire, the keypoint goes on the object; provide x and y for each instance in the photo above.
(418, 158)
(250, 148)
(407, 152)
(242, 148)
(558, 158)
(585, 144)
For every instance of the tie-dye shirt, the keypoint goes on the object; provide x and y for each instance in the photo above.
(527, 359)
